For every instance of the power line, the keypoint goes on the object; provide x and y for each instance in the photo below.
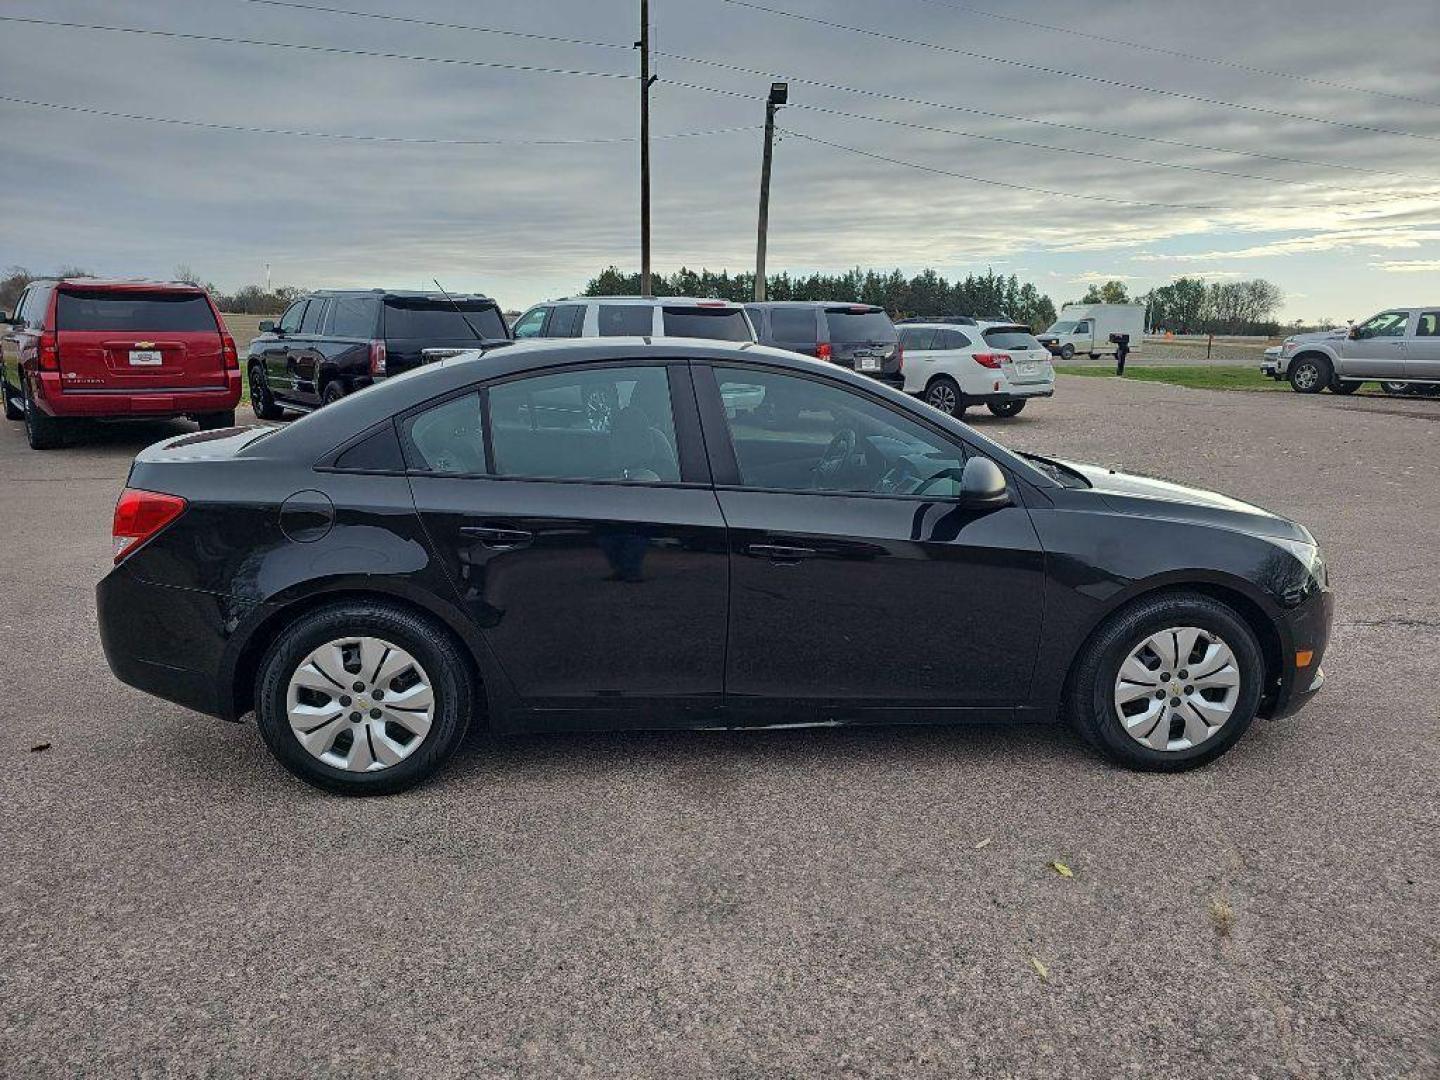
(1198, 58)
(950, 106)
(531, 69)
(442, 25)
(1099, 79)
(1007, 184)
(414, 140)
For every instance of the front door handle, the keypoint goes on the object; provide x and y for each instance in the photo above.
(781, 553)
(498, 539)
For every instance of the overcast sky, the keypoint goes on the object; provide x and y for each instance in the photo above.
(524, 222)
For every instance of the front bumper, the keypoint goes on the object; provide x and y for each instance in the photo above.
(52, 398)
(1306, 629)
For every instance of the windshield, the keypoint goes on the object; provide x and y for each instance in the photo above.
(846, 325)
(1062, 327)
(438, 320)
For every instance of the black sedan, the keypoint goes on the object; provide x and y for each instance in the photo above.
(636, 533)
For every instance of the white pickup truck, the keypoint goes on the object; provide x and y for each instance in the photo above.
(1092, 329)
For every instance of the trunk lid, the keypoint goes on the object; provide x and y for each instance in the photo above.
(138, 340)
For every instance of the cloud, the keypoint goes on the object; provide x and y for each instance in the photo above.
(1409, 266)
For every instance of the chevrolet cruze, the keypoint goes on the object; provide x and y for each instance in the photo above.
(662, 533)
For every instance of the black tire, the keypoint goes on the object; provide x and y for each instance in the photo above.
(1310, 374)
(944, 394)
(333, 392)
(1094, 356)
(1390, 386)
(1006, 408)
(42, 431)
(261, 399)
(1345, 386)
(13, 409)
(1067, 352)
(215, 421)
(427, 642)
(1089, 703)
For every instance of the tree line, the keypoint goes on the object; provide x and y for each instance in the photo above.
(926, 293)
(1191, 306)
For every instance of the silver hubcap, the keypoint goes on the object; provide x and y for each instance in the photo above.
(1306, 376)
(1177, 688)
(942, 398)
(360, 704)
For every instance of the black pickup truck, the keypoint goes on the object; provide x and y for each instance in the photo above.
(335, 341)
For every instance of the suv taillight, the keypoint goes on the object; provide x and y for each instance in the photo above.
(377, 358)
(139, 515)
(822, 351)
(229, 352)
(991, 359)
(48, 348)
(899, 357)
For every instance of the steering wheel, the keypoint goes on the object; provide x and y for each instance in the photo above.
(837, 454)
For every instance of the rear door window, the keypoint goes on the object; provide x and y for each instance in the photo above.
(918, 339)
(1010, 337)
(314, 317)
(718, 324)
(950, 340)
(352, 317)
(438, 320)
(794, 324)
(566, 321)
(626, 320)
(132, 312)
(847, 325)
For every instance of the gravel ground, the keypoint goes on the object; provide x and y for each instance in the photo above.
(798, 903)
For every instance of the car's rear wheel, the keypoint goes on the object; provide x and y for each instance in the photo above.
(261, 399)
(1067, 352)
(42, 431)
(1168, 683)
(13, 409)
(362, 698)
(1393, 387)
(333, 392)
(215, 421)
(943, 393)
(1006, 408)
(1094, 356)
(1309, 374)
(1344, 386)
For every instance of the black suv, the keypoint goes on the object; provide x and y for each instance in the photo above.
(332, 342)
(857, 336)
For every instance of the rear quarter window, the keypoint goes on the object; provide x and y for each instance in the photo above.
(860, 326)
(626, 320)
(719, 324)
(352, 317)
(1010, 337)
(150, 312)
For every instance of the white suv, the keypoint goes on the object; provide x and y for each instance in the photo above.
(954, 365)
(636, 316)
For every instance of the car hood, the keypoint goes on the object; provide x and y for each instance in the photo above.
(1317, 335)
(1146, 495)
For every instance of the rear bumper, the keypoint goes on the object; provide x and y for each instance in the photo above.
(50, 398)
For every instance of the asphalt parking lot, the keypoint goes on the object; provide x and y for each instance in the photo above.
(798, 903)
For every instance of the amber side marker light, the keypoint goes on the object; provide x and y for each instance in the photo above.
(1303, 657)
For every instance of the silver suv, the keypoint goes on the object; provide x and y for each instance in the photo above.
(635, 316)
(1398, 348)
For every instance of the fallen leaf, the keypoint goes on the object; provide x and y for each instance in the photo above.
(984, 843)
(1040, 968)
(39, 747)
(1061, 869)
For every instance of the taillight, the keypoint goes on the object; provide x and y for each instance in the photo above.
(991, 359)
(377, 358)
(139, 515)
(822, 351)
(899, 357)
(229, 352)
(49, 351)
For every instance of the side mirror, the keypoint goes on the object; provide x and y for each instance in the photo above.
(267, 326)
(982, 484)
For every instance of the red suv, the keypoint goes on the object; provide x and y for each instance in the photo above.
(84, 348)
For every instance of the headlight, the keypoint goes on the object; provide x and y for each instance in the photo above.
(1317, 574)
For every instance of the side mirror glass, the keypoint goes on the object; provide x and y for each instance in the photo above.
(267, 326)
(982, 484)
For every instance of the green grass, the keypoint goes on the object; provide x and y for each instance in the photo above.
(1208, 377)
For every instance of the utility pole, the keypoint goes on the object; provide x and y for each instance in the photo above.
(779, 94)
(645, 80)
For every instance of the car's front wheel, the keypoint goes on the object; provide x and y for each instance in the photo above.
(1309, 374)
(1168, 683)
(1067, 352)
(261, 399)
(943, 393)
(1006, 408)
(363, 698)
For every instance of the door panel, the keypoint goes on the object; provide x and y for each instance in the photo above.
(278, 372)
(1422, 348)
(1379, 353)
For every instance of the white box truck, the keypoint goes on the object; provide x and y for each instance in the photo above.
(1095, 329)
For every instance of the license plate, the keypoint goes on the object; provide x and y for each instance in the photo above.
(867, 363)
(145, 357)
(1027, 369)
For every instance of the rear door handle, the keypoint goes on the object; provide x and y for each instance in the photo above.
(498, 539)
(783, 553)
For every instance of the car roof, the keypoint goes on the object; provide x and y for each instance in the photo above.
(699, 301)
(848, 305)
(121, 284)
(402, 294)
